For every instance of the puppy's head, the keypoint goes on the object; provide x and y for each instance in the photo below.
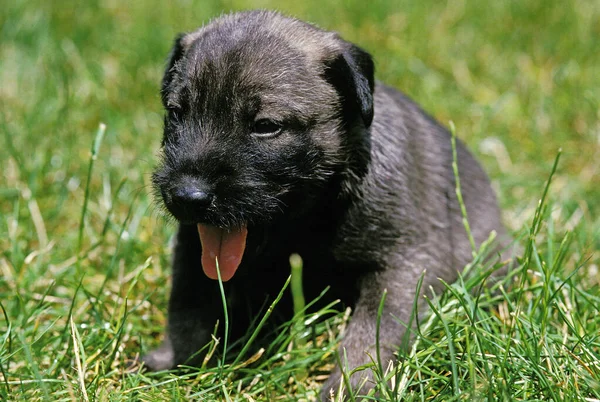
(264, 114)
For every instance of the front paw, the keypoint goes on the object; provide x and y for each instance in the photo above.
(159, 359)
(361, 382)
(331, 387)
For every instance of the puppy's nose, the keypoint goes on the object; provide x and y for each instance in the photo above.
(192, 195)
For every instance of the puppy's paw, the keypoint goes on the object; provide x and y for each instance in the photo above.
(361, 383)
(331, 387)
(159, 359)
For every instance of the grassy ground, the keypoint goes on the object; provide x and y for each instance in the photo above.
(84, 260)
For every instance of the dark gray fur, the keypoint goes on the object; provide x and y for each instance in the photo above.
(358, 182)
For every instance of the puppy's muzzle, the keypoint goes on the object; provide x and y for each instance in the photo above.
(192, 196)
(188, 199)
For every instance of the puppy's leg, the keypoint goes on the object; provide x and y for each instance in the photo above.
(358, 345)
(194, 306)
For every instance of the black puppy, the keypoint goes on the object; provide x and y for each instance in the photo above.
(278, 140)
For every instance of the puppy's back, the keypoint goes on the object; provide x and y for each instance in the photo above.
(409, 192)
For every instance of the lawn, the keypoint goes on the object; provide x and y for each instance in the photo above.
(84, 256)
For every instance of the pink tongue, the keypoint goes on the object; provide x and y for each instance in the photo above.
(227, 246)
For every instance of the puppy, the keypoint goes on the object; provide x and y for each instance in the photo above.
(278, 140)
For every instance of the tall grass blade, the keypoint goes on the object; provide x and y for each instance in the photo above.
(93, 157)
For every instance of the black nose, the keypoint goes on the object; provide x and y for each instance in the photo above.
(191, 196)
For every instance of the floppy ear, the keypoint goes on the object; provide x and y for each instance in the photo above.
(352, 73)
(174, 56)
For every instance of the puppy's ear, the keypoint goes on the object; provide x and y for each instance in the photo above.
(174, 56)
(352, 73)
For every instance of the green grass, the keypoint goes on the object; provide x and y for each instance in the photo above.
(84, 255)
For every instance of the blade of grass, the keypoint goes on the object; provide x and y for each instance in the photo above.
(6, 341)
(78, 350)
(261, 323)
(384, 386)
(113, 261)
(296, 288)
(33, 365)
(345, 377)
(93, 157)
(463, 209)
(451, 349)
(225, 315)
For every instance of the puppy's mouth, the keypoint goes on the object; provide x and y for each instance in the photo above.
(225, 246)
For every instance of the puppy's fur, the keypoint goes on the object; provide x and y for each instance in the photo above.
(277, 129)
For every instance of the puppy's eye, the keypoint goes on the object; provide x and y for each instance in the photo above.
(266, 128)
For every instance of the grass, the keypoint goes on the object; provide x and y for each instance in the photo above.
(84, 273)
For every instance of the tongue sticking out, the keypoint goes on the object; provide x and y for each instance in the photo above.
(227, 246)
